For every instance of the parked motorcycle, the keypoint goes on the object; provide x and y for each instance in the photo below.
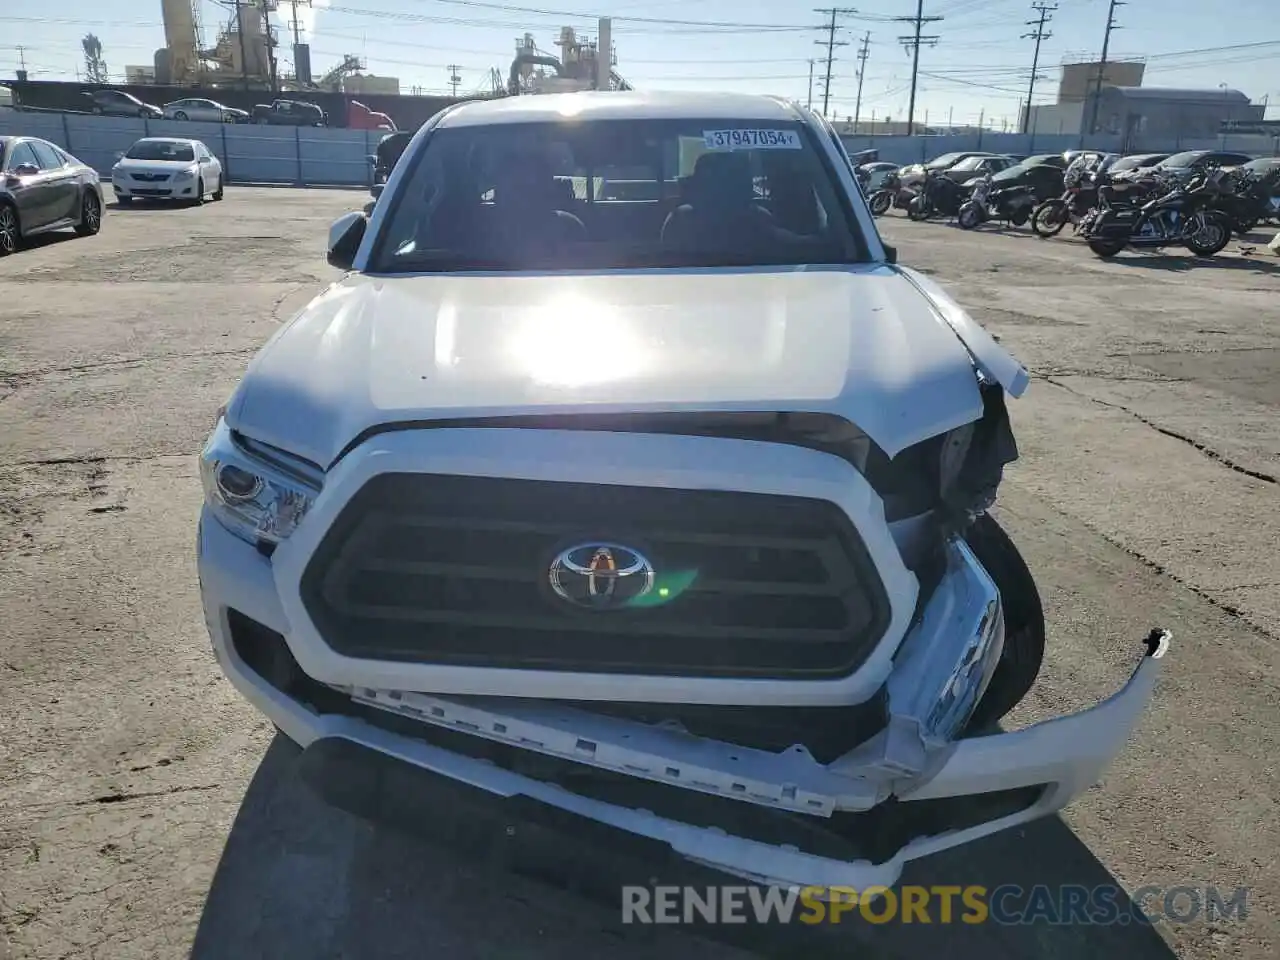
(1079, 196)
(1249, 202)
(1012, 204)
(939, 196)
(1127, 192)
(1185, 216)
(890, 195)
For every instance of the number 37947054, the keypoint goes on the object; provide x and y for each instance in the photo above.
(751, 139)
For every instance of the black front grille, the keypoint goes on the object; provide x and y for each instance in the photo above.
(456, 570)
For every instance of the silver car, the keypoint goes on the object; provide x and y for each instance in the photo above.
(199, 109)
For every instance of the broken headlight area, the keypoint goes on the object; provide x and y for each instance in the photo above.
(258, 493)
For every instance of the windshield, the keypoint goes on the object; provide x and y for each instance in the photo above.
(1129, 163)
(1012, 173)
(1184, 159)
(610, 194)
(968, 163)
(945, 161)
(161, 150)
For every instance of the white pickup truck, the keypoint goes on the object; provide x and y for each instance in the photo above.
(664, 514)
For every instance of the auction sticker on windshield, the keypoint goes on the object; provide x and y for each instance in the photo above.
(751, 139)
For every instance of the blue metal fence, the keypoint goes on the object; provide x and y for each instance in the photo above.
(249, 153)
(323, 156)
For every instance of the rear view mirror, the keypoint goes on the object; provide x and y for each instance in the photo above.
(345, 235)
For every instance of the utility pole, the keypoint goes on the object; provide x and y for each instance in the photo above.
(863, 51)
(913, 43)
(810, 103)
(831, 43)
(1102, 62)
(1039, 34)
(454, 79)
(244, 57)
(293, 23)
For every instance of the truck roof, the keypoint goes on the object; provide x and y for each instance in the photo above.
(620, 105)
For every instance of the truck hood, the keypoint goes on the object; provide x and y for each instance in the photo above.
(877, 345)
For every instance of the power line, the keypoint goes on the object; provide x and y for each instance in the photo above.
(1102, 63)
(1039, 34)
(831, 44)
(863, 52)
(913, 43)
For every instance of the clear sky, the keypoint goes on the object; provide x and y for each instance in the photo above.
(980, 65)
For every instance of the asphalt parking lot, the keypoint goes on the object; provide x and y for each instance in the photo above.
(147, 813)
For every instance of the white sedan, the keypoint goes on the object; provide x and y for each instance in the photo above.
(167, 168)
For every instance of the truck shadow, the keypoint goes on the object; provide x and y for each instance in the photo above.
(301, 879)
(1228, 260)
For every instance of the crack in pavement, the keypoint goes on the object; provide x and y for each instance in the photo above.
(1155, 566)
(16, 378)
(279, 302)
(145, 795)
(116, 797)
(1207, 451)
(97, 458)
(1046, 373)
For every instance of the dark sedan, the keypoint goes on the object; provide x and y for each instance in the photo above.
(1045, 178)
(1137, 161)
(970, 168)
(117, 103)
(876, 172)
(43, 188)
(1183, 166)
(1041, 159)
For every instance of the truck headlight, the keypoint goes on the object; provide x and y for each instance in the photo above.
(259, 495)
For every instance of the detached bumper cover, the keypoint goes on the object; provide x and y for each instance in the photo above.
(1063, 756)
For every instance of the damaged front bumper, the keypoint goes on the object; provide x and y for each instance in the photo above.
(701, 798)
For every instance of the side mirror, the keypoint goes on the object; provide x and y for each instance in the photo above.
(119, 155)
(890, 254)
(373, 159)
(345, 235)
(376, 190)
(25, 170)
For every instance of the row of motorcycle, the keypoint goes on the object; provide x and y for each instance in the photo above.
(1141, 209)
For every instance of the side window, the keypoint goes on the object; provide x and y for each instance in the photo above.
(22, 154)
(46, 156)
